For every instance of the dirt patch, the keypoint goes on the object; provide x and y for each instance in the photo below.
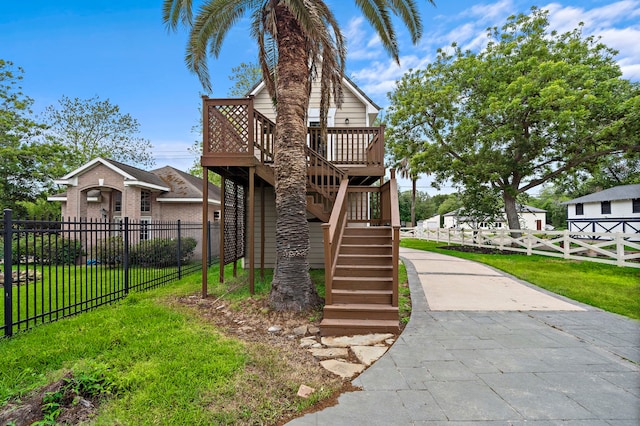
(56, 403)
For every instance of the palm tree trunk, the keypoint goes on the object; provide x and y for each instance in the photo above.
(291, 288)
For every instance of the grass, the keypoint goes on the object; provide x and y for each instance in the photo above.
(612, 288)
(165, 364)
(60, 291)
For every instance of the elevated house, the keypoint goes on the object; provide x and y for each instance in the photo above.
(352, 213)
(107, 190)
(612, 210)
(531, 218)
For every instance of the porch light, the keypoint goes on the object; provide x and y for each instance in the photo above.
(346, 121)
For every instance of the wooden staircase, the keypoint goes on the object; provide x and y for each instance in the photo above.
(362, 289)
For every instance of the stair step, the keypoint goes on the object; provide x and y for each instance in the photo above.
(361, 296)
(370, 259)
(367, 230)
(362, 283)
(364, 270)
(366, 239)
(361, 311)
(365, 249)
(349, 327)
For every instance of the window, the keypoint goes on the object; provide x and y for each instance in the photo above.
(144, 228)
(145, 201)
(605, 207)
(579, 209)
(635, 205)
(117, 201)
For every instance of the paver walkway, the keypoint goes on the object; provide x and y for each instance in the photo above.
(511, 354)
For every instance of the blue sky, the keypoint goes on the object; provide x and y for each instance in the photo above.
(120, 50)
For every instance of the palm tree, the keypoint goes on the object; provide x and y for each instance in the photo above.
(298, 40)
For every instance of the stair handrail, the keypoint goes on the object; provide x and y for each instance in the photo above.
(331, 174)
(395, 225)
(332, 233)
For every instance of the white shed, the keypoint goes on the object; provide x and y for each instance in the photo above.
(615, 209)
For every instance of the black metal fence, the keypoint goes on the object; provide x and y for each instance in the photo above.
(54, 269)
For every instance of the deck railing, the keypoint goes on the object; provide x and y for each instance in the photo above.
(232, 127)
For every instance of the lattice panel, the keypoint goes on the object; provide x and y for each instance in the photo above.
(228, 129)
(234, 221)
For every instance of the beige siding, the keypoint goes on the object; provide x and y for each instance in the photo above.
(352, 107)
(316, 254)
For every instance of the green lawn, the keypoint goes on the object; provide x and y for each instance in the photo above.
(612, 288)
(60, 291)
(162, 363)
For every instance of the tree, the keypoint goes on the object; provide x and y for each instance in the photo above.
(245, 77)
(297, 41)
(91, 128)
(532, 107)
(415, 206)
(27, 165)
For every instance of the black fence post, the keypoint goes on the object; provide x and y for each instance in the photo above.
(125, 254)
(8, 274)
(179, 251)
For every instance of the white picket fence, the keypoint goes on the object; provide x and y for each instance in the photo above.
(615, 249)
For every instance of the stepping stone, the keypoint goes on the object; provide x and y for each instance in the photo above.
(358, 340)
(368, 354)
(324, 353)
(346, 370)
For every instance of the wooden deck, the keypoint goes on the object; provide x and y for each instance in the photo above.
(361, 229)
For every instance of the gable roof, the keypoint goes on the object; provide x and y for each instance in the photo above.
(622, 192)
(133, 176)
(371, 107)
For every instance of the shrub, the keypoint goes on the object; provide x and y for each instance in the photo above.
(109, 251)
(45, 248)
(161, 252)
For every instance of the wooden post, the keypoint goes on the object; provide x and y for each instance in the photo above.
(251, 228)
(223, 196)
(619, 249)
(262, 232)
(205, 229)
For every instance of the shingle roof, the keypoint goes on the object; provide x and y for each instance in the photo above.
(622, 192)
(183, 185)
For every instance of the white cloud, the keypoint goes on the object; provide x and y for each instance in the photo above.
(617, 23)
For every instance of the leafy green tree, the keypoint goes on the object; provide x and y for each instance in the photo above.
(450, 203)
(534, 106)
(550, 199)
(297, 41)
(27, 166)
(245, 76)
(91, 128)
(415, 207)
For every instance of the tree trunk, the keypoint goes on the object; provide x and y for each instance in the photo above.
(413, 201)
(291, 288)
(511, 212)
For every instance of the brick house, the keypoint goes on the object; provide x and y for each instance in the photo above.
(104, 189)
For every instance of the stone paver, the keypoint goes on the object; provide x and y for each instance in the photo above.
(498, 367)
